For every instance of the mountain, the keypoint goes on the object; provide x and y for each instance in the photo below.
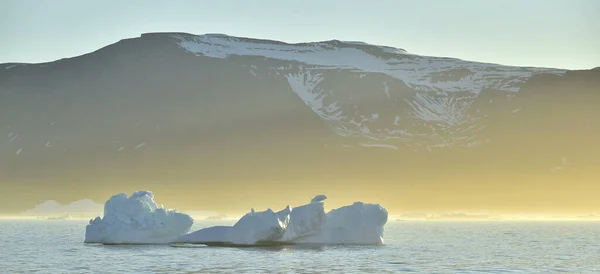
(215, 111)
(81, 208)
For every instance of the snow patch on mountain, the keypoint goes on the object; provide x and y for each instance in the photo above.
(440, 108)
(418, 72)
(445, 88)
(304, 84)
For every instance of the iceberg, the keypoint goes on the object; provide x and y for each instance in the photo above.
(254, 228)
(305, 220)
(137, 220)
(359, 223)
(258, 226)
(211, 236)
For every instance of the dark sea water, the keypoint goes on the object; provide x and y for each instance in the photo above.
(56, 246)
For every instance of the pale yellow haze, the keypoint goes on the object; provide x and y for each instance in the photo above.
(522, 171)
(225, 147)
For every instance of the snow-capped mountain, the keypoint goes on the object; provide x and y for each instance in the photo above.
(82, 208)
(442, 90)
(196, 106)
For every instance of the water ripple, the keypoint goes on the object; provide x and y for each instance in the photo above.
(28, 246)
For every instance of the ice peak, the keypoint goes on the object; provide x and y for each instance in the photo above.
(318, 199)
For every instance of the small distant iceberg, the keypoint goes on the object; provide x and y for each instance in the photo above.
(63, 217)
(359, 223)
(137, 220)
(219, 217)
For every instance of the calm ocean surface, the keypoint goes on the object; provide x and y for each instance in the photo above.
(53, 246)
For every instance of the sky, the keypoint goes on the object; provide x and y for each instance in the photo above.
(543, 33)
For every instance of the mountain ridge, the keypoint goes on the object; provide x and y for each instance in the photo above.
(262, 40)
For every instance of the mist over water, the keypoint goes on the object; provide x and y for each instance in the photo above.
(56, 246)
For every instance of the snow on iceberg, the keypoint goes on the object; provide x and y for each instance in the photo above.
(305, 220)
(137, 220)
(259, 226)
(253, 228)
(359, 223)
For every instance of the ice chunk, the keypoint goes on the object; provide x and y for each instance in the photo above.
(136, 220)
(252, 228)
(318, 199)
(358, 223)
(215, 234)
(257, 226)
(305, 220)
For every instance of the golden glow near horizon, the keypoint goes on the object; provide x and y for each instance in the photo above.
(446, 217)
(541, 200)
(522, 196)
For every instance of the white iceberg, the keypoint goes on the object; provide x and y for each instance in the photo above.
(211, 235)
(253, 228)
(305, 220)
(359, 223)
(258, 226)
(137, 220)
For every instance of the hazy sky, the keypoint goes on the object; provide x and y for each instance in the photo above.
(550, 33)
